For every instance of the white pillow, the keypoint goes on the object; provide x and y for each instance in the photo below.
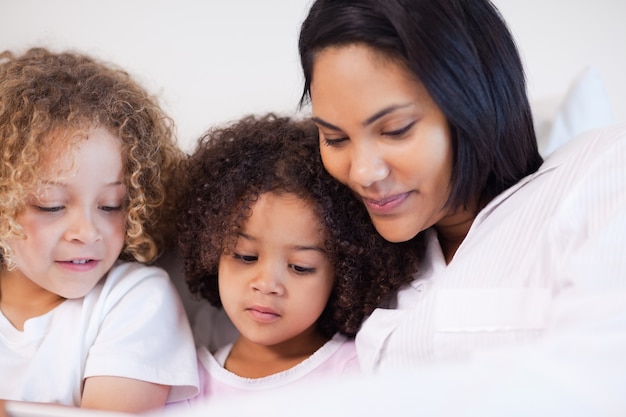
(585, 106)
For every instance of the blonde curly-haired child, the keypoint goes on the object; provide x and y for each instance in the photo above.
(86, 159)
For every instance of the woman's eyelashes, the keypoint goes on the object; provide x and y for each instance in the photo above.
(336, 141)
(333, 142)
(398, 132)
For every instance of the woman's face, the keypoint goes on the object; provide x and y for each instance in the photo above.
(382, 135)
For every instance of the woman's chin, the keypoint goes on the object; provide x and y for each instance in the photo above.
(395, 231)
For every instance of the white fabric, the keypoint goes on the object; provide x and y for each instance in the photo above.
(547, 255)
(335, 358)
(221, 354)
(132, 324)
(529, 318)
(585, 106)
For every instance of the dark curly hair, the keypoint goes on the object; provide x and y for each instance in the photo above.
(47, 96)
(233, 165)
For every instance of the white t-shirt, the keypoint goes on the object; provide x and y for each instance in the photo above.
(132, 325)
(335, 358)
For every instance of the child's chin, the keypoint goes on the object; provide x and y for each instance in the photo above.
(76, 292)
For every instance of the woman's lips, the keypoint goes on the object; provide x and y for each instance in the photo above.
(385, 205)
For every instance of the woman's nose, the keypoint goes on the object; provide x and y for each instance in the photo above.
(367, 166)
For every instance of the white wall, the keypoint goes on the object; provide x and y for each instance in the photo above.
(212, 61)
(559, 38)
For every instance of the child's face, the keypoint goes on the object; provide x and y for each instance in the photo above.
(277, 281)
(74, 224)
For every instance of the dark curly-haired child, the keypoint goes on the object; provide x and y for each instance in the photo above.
(288, 252)
(86, 159)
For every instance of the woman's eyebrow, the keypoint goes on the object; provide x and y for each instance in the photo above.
(324, 123)
(368, 121)
(384, 112)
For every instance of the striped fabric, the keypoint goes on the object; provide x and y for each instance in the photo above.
(544, 264)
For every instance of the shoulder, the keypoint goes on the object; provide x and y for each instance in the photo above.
(590, 169)
(128, 278)
(136, 270)
(588, 147)
(339, 353)
(597, 157)
(128, 274)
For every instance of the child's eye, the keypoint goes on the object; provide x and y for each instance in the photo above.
(301, 269)
(53, 209)
(110, 208)
(245, 258)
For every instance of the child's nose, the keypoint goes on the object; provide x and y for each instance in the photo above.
(269, 280)
(83, 228)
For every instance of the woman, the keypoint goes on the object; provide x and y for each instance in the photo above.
(422, 112)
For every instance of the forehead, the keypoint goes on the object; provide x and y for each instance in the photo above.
(356, 58)
(356, 81)
(284, 216)
(79, 149)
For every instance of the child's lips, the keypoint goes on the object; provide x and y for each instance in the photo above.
(263, 314)
(80, 264)
(78, 261)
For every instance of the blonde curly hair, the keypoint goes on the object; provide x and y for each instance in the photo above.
(57, 98)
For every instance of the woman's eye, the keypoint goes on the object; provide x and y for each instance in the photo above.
(332, 142)
(399, 132)
(245, 258)
(301, 269)
(332, 138)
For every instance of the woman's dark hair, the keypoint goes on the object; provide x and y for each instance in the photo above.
(465, 56)
(232, 166)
